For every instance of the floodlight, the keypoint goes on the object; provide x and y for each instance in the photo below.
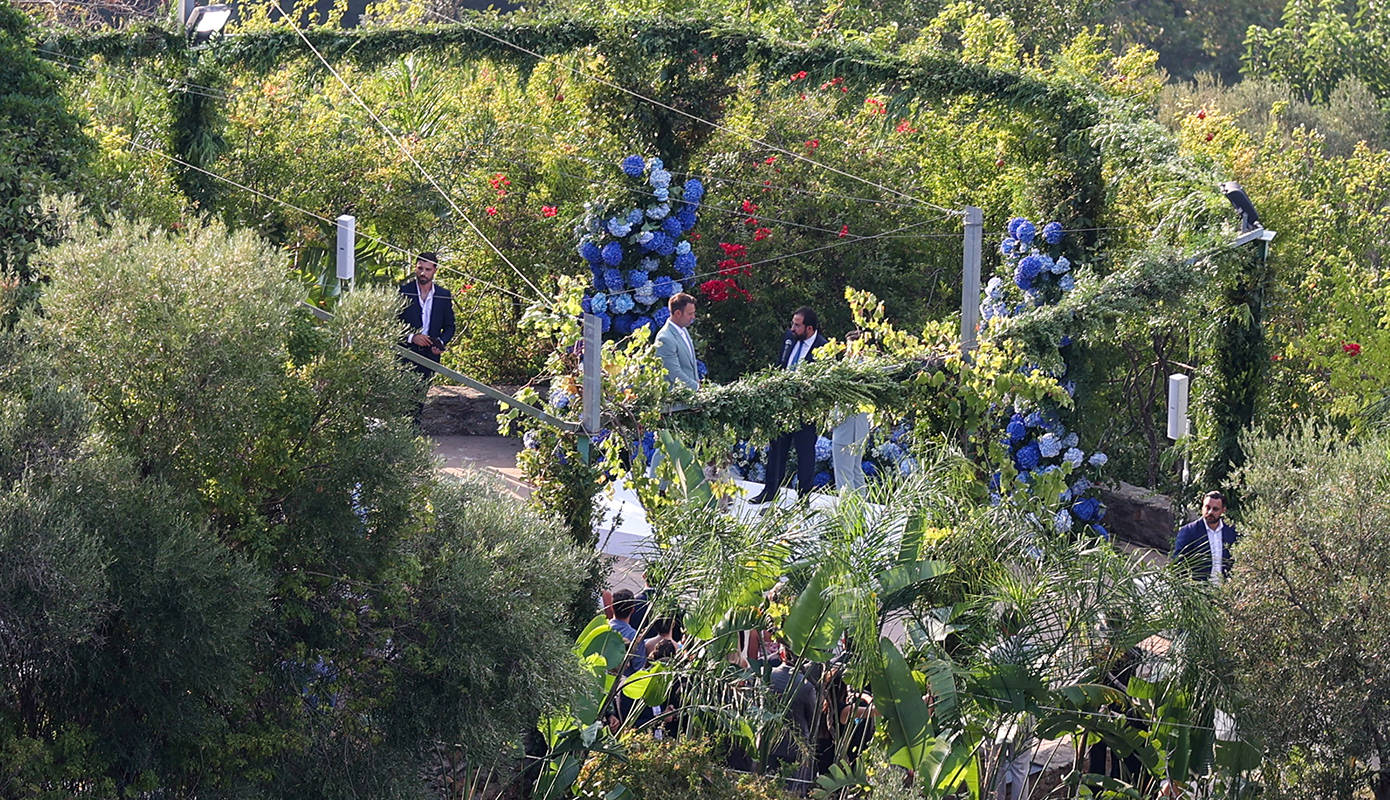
(204, 21)
(1249, 218)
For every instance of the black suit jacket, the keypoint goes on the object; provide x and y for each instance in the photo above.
(787, 343)
(441, 315)
(1192, 549)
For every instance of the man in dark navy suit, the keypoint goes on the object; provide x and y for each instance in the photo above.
(1204, 545)
(428, 313)
(798, 346)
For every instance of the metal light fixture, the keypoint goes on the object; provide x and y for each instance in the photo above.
(1249, 218)
(204, 21)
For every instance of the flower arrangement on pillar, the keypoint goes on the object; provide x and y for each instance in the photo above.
(1041, 459)
(636, 248)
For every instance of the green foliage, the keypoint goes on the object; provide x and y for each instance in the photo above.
(225, 541)
(42, 148)
(1319, 44)
(686, 767)
(1307, 590)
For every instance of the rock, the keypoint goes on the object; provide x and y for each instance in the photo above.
(1139, 516)
(461, 411)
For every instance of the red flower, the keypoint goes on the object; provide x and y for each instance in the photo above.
(812, 144)
(761, 234)
(716, 290)
(751, 221)
(905, 127)
(499, 180)
(1352, 349)
(492, 211)
(876, 105)
(749, 207)
(734, 250)
(729, 267)
(800, 76)
(769, 159)
(549, 211)
(1202, 114)
(844, 231)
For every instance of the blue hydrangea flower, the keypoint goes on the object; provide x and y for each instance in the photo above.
(612, 254)
(619, 227)
(1025, 232)
(672, 227)
(634, 216)
(1080, 486)
(645, 294)
(645, 238)
(1016, 429)
(687, 218)
(599, 303)
(634, 166)
(1067, 283)
(1071, 440)
(1022, 279)
(589, 251)
(622, 324)
(1087, 510)
(661, 316)
(613, 279)
(658, 211)
(1074, 456)
(661, 244)
(1053, 233)
(693, 191)
(823, 449)
(1027, 456)
(1033, 265)
(1050, 445)
(701, 371)
(560, 398)
(606, 321)
(682, 248)
(661, 194)
(531, 440)
(1013, 226)
(648, 446)
(655, 163)
(739, 471)
(1101, 531)
(890, 452)
(1063, 522)
(663, 286)
(642, 322)
(995, 288)
(1098, 459)
(659, 178)
(1070, 388)
(1060, 266)
(822, 479)
(870, 469)
(1034, 419)
(907, 466)
(621, 304)
(758, 473)
(1064, 341)
(587, 304)
(1008, 247)
(636, 278)
(685, 264)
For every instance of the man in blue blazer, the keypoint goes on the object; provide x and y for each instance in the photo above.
(798, 346)
(428, 313)
(1204, 545)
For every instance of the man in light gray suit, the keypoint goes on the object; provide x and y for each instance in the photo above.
(674, 345)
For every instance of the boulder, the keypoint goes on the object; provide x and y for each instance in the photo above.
(1139, 516)
(461, 411)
